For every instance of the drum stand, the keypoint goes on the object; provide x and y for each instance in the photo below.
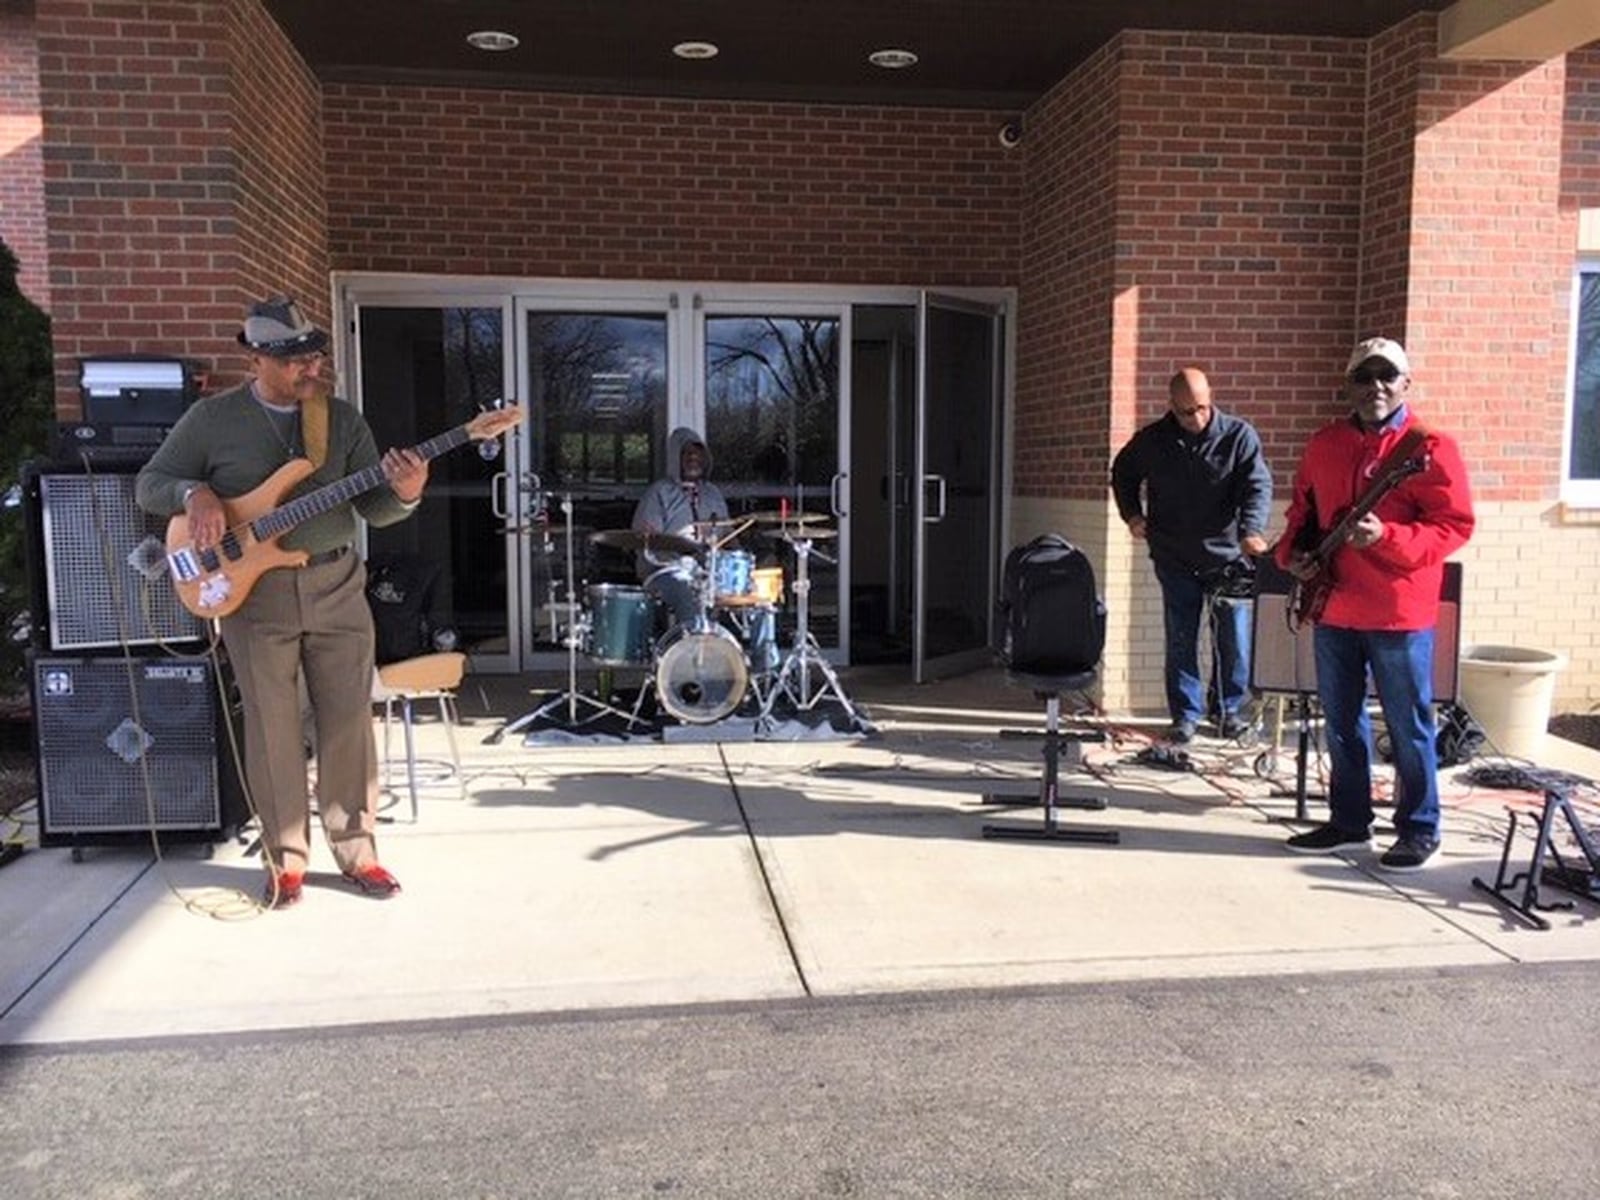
(573, 699)
(794, 674)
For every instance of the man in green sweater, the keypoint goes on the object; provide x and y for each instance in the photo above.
(309, 622)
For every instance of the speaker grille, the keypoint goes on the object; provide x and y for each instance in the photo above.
(96, 752)
(105, 567)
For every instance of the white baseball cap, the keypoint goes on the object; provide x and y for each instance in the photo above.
(1391, 352)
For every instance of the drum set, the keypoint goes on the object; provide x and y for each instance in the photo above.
(702, 627)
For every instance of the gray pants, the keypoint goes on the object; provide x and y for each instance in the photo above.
(312, 622)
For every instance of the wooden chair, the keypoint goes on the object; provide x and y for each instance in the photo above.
(425, 677)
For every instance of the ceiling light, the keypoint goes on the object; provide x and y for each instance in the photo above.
(892, 60)
(493, 39)
(696, 50)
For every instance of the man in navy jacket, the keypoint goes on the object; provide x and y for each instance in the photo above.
(1195, 486)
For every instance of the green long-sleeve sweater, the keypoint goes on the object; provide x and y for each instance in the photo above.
(227, 442)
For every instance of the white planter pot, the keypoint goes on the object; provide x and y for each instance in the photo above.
(1509, 690)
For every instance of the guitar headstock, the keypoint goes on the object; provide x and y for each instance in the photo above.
(494, 422)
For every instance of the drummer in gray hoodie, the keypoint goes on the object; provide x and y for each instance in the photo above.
(676, 504)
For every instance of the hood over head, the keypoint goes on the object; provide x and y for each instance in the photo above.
(680, 437)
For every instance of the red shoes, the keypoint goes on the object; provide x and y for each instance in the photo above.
(283, 889)
(374, 881)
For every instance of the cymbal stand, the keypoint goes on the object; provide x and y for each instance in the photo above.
(577, 627)
(794, 675)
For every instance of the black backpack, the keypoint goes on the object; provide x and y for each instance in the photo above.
(1052, 620)
(400, 592)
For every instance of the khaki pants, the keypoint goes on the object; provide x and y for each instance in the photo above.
(312, 621)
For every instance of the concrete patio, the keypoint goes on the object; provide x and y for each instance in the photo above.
(643, 873)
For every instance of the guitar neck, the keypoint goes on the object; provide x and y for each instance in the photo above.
(330, 496)
(1394, 468)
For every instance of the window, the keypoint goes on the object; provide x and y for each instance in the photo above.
(1582, 467)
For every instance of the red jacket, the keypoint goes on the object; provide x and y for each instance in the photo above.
(1394, 583)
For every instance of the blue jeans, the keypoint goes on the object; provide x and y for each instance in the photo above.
(1183, 599)
(1401, 665)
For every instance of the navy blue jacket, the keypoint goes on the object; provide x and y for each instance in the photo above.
(1201, 492)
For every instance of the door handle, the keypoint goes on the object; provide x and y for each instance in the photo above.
(497, 495)
(833, 494)
(933, 518)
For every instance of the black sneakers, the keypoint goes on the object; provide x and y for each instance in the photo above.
(1327, 839)
(1232, 727)
(1181, 733)
(1410, 853)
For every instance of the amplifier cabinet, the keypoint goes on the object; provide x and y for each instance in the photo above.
(102, 559)
(127, 746)
(1281, 661)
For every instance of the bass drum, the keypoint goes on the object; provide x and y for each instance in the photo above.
(700, 673)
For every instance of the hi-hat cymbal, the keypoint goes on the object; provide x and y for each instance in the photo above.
(664, 544)
(775, 517)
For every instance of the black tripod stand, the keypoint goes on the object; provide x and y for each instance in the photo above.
(573, 700)
(793, 680)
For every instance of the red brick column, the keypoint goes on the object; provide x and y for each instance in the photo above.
(21, 165)
(182, 176)
(1467, 253)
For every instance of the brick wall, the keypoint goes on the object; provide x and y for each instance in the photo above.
(280, 187)
(151, 111)
(1062, 412)
(1491, 258)
(1580, 155)
(530, 184)
(22, 223)
(1238, 201)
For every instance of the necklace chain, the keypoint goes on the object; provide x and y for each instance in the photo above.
(288, 443)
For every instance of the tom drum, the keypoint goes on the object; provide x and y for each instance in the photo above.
(621, 624)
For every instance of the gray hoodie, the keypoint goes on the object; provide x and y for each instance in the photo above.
(671, 506)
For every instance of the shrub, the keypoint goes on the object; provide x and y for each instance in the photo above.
(27, 411)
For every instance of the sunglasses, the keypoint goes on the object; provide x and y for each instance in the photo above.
(1384, 374)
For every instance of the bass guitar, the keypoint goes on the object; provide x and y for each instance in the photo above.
(214, 582)
(1309, 596)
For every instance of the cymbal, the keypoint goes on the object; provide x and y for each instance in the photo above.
(667, 544)
(720, 531)
(795, 532)
(775, 517)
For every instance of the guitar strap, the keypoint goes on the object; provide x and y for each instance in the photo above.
(314, 427)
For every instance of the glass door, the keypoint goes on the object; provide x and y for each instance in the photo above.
(423, 368)
(597, 394)
(955, 506)
(777, 428)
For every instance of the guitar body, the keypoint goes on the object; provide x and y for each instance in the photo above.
(224, 576)
(1308, 597)
(215, 582)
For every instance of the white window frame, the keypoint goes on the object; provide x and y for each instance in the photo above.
(1577, 493)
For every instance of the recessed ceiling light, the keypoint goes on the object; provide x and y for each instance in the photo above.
(493, 39)
(696, 50)
(892, 60)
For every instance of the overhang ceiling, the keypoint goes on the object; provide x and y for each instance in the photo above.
(996, 54)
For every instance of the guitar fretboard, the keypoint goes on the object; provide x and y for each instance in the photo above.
(330, 496)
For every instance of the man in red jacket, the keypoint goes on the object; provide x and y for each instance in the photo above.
(1382, 601)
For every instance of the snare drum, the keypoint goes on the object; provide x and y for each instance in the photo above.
(767, 583)
(622, 624)
(735, 576)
